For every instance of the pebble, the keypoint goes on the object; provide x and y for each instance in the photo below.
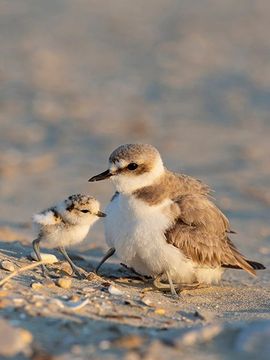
(7, 265)
(93, 277)
(18, 301)
(49, 258)
(160, 311)
(36, 286)
(4, 303)
(104, 345)
(13, 340)
(64, 283)
(147, 301)
(49, 283)
(65, 267)
(113, 290)
(131, 341)
(200, 335)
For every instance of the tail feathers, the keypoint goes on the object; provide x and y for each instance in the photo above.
(256, 265)
(240, 262)
(248, 265)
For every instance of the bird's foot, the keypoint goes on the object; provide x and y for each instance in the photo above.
(169, 286)
(80, 273)
(139, 276)
(45, 272)
(175, 289)
(182, 286)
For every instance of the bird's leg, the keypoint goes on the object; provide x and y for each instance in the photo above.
(108, 254)
(173, 292)
(75, 268)
(36, 248)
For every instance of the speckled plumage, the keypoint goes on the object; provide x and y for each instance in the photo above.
(66, 224)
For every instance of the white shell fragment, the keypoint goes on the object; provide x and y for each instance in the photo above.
(72, 305)
(7, 265)
(115, 291)
(49, 258)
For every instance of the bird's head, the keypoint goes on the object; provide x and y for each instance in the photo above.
(80, 210)
(132, 166)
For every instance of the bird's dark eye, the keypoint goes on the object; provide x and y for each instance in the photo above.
(132, 166)
(85, 211)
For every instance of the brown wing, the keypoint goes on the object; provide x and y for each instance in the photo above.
(200, 231)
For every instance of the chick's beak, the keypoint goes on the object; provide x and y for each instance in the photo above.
(101, 214)
(104, 175)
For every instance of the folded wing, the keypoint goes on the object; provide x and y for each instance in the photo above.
(201, 233)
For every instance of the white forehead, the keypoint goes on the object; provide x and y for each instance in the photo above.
(118, 164)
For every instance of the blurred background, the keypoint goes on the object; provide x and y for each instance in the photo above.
(78, 78)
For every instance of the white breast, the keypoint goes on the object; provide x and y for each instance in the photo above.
(65, 235)
(136, 231)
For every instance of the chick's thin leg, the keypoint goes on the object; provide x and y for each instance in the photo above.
(108, 254)
(75, 268)
(36, 248)
(173, 292)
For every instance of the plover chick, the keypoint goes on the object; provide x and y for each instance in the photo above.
(66, 224)
(164, 224)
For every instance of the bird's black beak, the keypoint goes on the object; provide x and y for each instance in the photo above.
(101, 214)
(104, 175)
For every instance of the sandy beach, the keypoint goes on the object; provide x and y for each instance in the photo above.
(77, 79)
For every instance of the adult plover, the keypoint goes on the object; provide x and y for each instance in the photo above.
(163, 224)
(66, 224)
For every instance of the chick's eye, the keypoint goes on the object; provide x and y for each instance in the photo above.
(132, 166)
(85, 211)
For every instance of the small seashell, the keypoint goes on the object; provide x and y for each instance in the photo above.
(39, 304)
(64, 283)
(7, 265)
(113, 290)
(147, 301)
(49, 258)
(72, 305)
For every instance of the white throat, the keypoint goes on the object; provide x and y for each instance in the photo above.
(128, 183)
